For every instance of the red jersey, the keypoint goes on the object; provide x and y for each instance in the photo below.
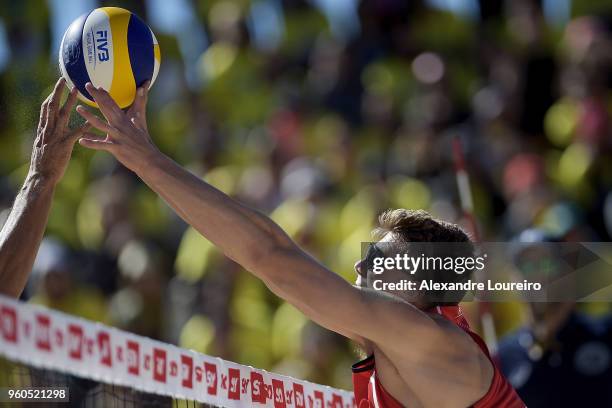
(369, 392)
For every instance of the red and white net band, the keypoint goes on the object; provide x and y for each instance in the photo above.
(44, 338)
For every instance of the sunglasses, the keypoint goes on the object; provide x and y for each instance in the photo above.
(372, 252)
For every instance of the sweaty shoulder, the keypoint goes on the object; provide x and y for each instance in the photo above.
(468, 367)
(449, 359)
(464, 351)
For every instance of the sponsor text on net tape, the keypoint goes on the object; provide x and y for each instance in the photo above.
(49, 339)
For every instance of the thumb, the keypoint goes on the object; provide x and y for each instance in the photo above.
(138, 122)
(95, 142)
(138, 109)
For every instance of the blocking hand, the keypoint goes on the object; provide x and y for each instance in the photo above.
(126, 135)
(54, 139)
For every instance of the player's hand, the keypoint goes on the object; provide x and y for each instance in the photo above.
(54, 139)
(126, 135)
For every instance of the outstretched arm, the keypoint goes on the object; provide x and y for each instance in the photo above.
(252, 239)
(24, 228)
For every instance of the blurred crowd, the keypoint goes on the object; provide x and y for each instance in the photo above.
(322, 114)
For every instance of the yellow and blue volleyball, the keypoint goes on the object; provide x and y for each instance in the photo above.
(112, 48)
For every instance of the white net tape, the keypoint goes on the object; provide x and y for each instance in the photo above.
(48, 339)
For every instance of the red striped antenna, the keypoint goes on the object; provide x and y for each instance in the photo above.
(467, 206)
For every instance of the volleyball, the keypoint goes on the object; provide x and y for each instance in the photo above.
(112, 48)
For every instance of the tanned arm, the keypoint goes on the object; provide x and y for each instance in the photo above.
(256, 242)
(24, 228)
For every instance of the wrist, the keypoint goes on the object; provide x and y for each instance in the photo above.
(149, 162)
(38, 181)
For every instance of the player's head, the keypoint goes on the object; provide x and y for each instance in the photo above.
(415, 233)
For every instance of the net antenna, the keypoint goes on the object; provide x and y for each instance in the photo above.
(467, 206)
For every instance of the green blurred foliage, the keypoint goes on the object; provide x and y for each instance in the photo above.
(354, 112)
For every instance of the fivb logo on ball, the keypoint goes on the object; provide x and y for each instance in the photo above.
(98, 47)
(97, 39)
(112, 48)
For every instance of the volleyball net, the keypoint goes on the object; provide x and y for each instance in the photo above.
(98, 365)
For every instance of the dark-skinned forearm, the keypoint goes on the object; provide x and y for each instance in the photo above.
(22, 232)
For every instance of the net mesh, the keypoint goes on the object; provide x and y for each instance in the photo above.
(83, 392)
